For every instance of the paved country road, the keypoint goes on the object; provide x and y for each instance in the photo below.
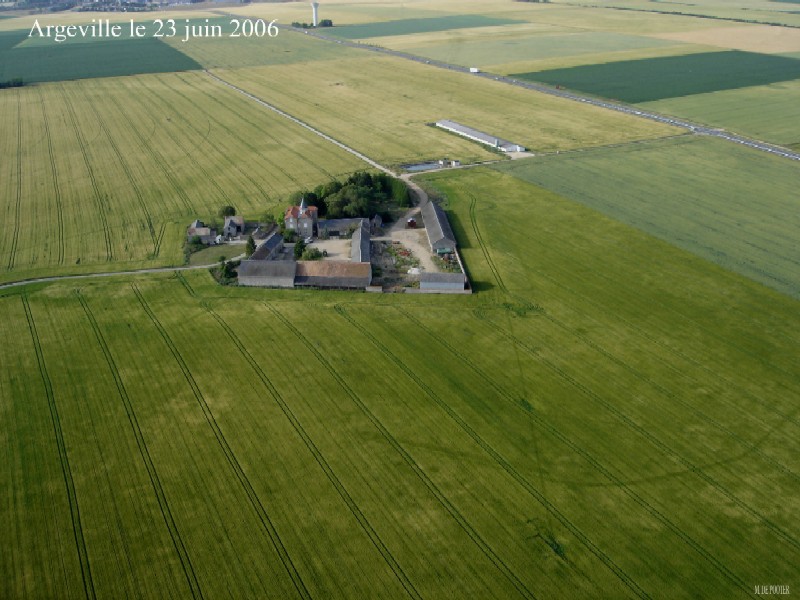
(623, 108)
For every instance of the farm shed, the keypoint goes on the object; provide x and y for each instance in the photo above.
(269, 249)
(442, 281)
(440, 236)
(479, 136)
(267, 273)
(334, 274)
(359, 246)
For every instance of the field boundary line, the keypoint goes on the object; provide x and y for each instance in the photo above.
(261, 513)
(155, 480)
(498, 458)
(654, 512)
(392, 562)
(301, 123)
(18, 202)
(54, 170)
(476, 538)
(66, 471)
(98, 199)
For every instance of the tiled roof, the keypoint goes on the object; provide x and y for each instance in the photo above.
(330, 273)
(294, 212)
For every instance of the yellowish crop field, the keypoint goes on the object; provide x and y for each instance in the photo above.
(106, 174)
(395, 100)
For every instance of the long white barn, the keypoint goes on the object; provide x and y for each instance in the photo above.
(479, 136)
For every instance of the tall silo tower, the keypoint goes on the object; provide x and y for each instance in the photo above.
(315, 14)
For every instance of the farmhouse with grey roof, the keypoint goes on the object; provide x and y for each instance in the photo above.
(440, 236)
(234, 225)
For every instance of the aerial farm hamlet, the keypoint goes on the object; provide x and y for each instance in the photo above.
(352, 254)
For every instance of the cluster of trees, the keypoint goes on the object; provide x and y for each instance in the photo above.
(322, 23)
(361, 195)
(11, 83)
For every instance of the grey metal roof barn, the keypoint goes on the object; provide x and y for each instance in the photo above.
(359, 245)
(440, 236)
(267, 273)
(442, 281)
(479, 136)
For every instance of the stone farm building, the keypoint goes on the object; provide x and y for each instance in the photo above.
(234, 226)
(265, 268)
(199, 229)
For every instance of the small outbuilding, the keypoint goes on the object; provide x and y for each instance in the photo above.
(198, 228)
(455, 282)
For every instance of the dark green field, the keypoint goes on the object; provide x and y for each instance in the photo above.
(672, 76)
(111, 58)
(406, 26)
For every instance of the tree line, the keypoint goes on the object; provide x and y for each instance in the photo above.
(360, 195)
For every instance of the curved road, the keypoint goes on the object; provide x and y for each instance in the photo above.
(13, 284)
(623, 108)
